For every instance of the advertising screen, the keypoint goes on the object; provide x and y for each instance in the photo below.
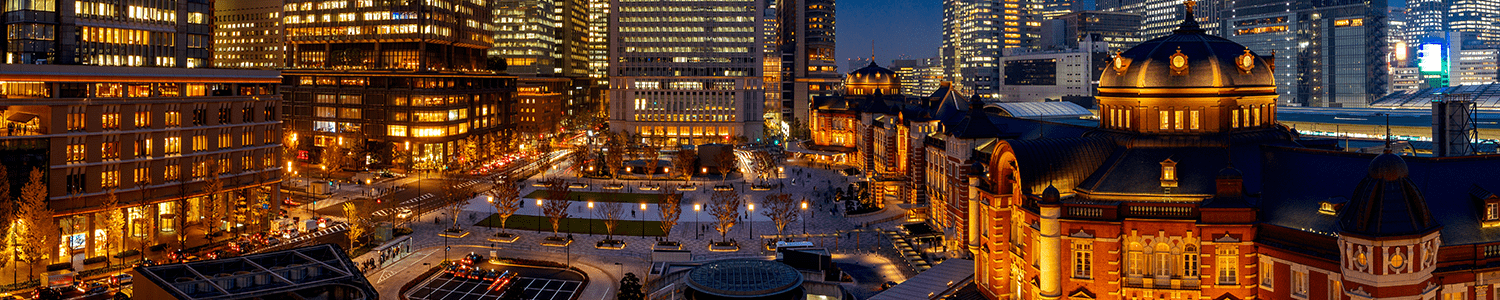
(1430, 58)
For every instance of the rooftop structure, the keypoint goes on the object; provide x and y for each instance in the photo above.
(313, 272)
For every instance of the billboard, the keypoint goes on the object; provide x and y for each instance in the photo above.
(1430, 58)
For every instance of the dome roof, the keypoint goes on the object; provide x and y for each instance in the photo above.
(1387, 203)
(1050, 195)
(1229, 172)
(744, 278)
(1186, 59)
(871, 70)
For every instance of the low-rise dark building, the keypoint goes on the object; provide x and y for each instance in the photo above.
(313, 272)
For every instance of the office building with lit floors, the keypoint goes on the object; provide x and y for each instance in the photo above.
(248, 35)
(407, 78)
(805, 40)
(153, 138)
(687, 77)
(1188, 188)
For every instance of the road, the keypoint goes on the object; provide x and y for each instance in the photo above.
(423, 196)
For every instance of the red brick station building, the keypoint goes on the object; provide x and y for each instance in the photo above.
(1190, 189)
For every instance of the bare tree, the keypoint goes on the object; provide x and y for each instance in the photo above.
(728, 162)
(114, 224)
(212, 210)
(335, 157)
(670, 209)
(507, 200)
(726, 208)
(356, 224)
(649, 152)
(683, 163)
(556, 205)
(38, 233)
(401, 158)
(614, 155)
(611, 212)
(580, 158)
(781, 209)
(544, 156)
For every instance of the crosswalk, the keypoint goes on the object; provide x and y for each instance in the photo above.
(340, 227)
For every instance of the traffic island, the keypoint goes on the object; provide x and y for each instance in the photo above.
(504, 238)
(453, 233)
(556, 241)
(610, 245)
(723, 247)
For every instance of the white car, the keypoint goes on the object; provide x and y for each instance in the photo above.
(403, 213)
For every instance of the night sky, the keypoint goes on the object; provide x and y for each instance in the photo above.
(900, 29)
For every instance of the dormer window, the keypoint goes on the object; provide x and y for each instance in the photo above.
(1168, 173)
(1331, 207)
(1492, 211)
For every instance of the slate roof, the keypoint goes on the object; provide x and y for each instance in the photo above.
(1210, 63)
(1297, 179)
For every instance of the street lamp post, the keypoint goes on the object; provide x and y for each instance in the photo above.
(804, 217)
(750, 220)
(643, 220)
(696, 208)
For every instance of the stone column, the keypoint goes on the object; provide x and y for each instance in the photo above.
(1049, 252)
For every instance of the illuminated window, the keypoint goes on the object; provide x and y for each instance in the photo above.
(200, 143)
(1228, 260)
(173, 118)
(396, 130)
(173, 145)
(1194, 117)
(1177, 119)
(225, 141)
(1162, 260)
(1136, 261)
(1190, 261)
(1166, 119)
(1268, 274)
(1492, 211)
(109, 179)
(1083, 261)
(76, 153)
(1299, 283)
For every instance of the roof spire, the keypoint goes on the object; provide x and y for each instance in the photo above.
(1387, 133)
(1189, 23)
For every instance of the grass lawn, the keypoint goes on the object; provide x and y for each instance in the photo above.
(572, 225)
(601, 197)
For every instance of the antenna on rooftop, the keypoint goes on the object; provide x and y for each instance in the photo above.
(1387, 132)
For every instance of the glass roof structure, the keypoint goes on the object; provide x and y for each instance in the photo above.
(1486, 96)
(1033, 110)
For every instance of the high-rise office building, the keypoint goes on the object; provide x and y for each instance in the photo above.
(248, 35)
(1160, 17)
(771, 67)
(919, 77)
(598, 42)
(974, 31)
(1426, 19)
(805, 35)
(526, 36)
(1480, 19)
(1054, 8)
(120, 103)
(687, 71)
(1053, 75)
(1327, 54)
(1120, 30)
(155, 34)
(394, 77)
(539, 37)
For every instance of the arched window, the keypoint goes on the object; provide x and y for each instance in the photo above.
(1137, 260)
(1162, 260)
(1190, 261)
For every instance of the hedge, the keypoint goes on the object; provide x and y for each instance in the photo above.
(127, 253)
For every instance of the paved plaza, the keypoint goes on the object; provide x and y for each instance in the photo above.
(852, 240)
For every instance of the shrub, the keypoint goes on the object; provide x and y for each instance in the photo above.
(127, 253)
(59, 266)
(158, 247)
(94, 260)
(400, 232)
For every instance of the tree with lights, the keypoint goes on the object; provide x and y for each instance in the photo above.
(782, 210)
(726, 209)
(670, 209)
(556, 205)
(356, 224)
